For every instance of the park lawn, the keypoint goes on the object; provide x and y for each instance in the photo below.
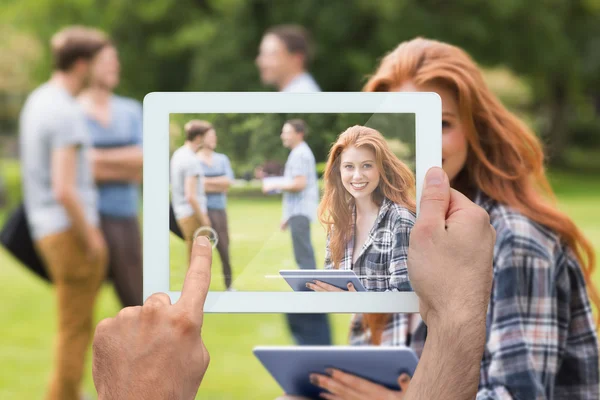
(258, 249)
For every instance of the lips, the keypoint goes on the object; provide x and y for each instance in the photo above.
(358, 186)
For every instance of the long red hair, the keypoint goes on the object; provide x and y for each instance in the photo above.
(396, 183)
(505, 158)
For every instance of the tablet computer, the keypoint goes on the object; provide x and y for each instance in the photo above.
(249, 128)
(291, 366)
(297, 279)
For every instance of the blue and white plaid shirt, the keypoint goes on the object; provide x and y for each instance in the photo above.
(301, 162)
(381, 266)
(541, 339)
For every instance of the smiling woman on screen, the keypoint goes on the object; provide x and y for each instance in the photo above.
(368, 209)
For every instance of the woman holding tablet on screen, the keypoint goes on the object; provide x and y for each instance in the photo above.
(368, 208)
(541, 341)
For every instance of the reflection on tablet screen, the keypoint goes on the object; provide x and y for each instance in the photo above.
(277, 192)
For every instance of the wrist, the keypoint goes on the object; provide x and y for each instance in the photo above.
(459, 333)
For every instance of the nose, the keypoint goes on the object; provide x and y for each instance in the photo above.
(356, 174)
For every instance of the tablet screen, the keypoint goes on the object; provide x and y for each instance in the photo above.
(255, 184)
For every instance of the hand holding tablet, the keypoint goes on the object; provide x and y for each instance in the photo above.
(292, 367)
(322, 280)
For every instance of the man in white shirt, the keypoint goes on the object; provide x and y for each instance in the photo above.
(283, 58)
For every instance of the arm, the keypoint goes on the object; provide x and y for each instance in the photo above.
(217, 184)
(220, 184)
(120, 165)
(63, 177)
(296, 185)
(449, 365)
(191, 196)
(299, 170)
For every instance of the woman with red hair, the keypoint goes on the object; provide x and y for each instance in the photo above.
(542, 341)
(368, 209)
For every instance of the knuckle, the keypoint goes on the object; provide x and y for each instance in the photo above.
(481, 216)
(422, 230)
(127, 313)
(184, 324)
(102, 330)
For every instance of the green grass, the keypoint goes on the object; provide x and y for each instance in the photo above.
(258, 248)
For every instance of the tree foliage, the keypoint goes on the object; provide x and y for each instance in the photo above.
(211, 45)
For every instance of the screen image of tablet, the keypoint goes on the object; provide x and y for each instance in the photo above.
(297, 279)
(245, 150)
(291, 366)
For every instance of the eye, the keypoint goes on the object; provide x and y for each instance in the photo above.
(367, 165)
(445, 123)
(348, 166)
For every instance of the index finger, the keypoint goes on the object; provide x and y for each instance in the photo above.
(197, 279)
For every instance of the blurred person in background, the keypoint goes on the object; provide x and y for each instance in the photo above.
(283, 59)
(61, 200)
(218, 176)
(187, 184)
(115, 123)
(284, 55)
(300, 201)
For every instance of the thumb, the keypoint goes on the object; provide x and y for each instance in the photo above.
(435, 199)
(403, 382)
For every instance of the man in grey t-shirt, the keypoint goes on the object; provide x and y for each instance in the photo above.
(187, 184)
(60, 200)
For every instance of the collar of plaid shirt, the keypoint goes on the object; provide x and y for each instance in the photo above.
(383, 209)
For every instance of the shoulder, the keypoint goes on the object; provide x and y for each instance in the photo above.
(519, 236)
(221, 157)
(128, 105)
(401, 216)
(303, 151)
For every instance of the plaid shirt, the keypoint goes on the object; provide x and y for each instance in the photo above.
(541, 340)
(301, 162)
(380, 266)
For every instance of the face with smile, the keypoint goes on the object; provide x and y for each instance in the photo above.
(359, 172)
(454, 141)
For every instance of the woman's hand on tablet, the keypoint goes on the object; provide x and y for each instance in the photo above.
(319, 286)
(155, 351)
(344, 386)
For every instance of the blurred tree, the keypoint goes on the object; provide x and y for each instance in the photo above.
(211, 45)
(251, 140)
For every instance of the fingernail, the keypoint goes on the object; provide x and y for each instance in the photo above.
(329, 371)
(404, 378)
(308, 285)
(201, 241)
(314, 380)
(434, 177)
(349, 286)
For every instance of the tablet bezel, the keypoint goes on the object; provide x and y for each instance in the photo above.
(158, 106)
